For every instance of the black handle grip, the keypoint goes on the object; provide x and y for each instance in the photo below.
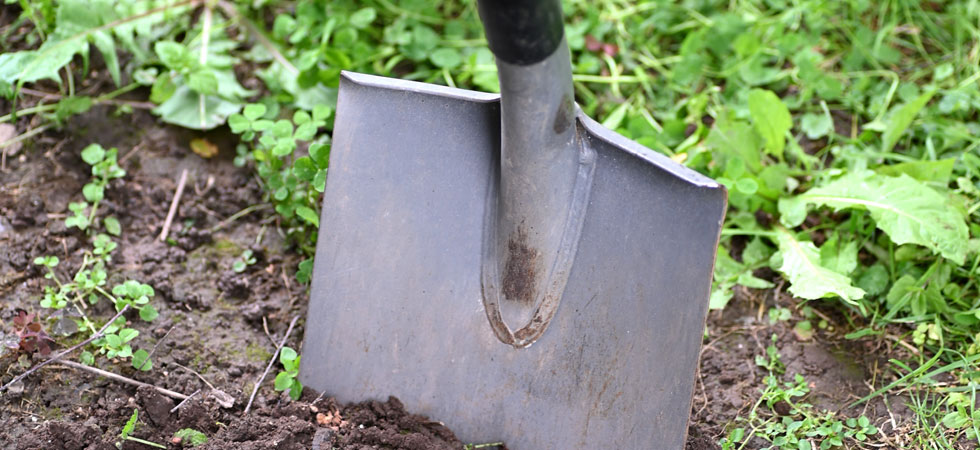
(522, 32)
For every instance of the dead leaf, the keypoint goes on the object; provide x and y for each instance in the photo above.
(204, 148)
(8, 132)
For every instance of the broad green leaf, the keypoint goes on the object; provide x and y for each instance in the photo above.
(907, 210)
(937, 171)
(874, 280)
(148, 313)
(287, 354)
(303, 271)
(93, 154)
(734, 139)
(362, 17)
(771, 119)
(841, 257)
(93, 192)
(127, 334)
(77, 23)
(901, 119)
(254, 111)
(308, 215)
(816, 125)
(163, 88)
(320, 180)
(70, 106)
(283, 381)
(304, 169)
(173, 55)
(139, 358)
(721, 294)
(186, 108)
(295, 390)
(446, 58)
(320, 153)
(799, 262)
(303, 97)
(238, 123)
(203, 81)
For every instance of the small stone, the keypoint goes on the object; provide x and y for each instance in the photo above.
(322, 419)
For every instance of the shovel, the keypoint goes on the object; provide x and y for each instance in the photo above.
(506, 265)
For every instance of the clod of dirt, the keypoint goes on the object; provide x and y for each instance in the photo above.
(387, 425)
(62, 436)
(234, 285)
(260, 432)
(156, 405)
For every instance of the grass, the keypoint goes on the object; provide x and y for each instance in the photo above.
(846, 131)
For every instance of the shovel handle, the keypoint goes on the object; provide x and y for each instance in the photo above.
(522, 32)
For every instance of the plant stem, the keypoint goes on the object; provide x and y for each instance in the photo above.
(231, 11)
(104, 98)
(57, 357)
(26, 135)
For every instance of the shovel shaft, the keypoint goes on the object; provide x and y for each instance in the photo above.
(532, 234)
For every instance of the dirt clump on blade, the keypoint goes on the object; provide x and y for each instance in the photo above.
(376, 424)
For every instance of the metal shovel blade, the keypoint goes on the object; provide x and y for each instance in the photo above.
(397, 296)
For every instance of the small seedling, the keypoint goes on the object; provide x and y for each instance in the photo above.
(189, 436)
(104, 169)
(137, 295)
(286, 379)
(128, 429)
(772, 362)
(242, 263)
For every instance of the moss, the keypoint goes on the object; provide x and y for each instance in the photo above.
(257, 353)
(224, 246)
(52, 414)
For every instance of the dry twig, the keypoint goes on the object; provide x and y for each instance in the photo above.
(122, 379)
(182, 402)
(269, 366)
(154, 349)
(173, 206)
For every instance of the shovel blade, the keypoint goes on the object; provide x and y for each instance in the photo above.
(396, 304)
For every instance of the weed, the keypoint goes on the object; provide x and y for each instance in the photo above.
(790, 423)
(128, 430)
(104, 169)
(243, 261)
(89, 282)
(286, 379)
(28, 335)
(189, 436)
(292, 183)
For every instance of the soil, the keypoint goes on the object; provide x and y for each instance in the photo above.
(215, 327)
